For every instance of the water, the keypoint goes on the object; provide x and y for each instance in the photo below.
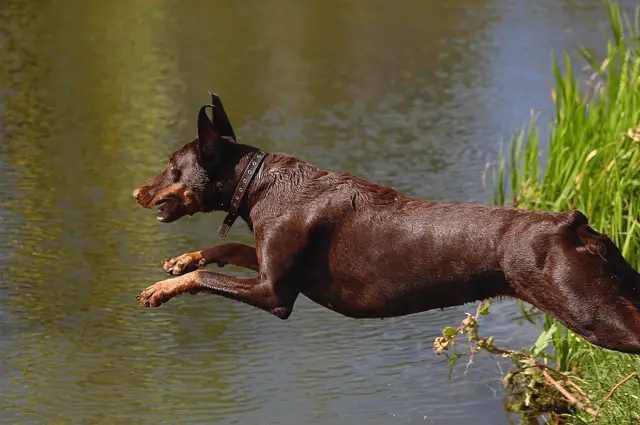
(93, 98)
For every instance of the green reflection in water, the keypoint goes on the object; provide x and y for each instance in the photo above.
(93, 98)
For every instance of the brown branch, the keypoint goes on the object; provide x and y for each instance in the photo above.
(477, 344)
(613, 390)
(567, 394)
(574, 385)
(618, 385)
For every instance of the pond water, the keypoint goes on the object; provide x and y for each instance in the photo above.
(93, 98)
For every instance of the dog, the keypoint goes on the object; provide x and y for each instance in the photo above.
(366, 251)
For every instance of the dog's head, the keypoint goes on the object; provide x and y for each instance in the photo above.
(196, 178)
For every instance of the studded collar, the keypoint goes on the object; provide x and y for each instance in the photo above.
(241, 189)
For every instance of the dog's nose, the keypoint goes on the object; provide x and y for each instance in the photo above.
(136, 193)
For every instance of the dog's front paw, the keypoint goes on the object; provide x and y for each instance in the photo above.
(184, 263)
(156, 295)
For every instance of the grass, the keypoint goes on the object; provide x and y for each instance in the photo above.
(592, 164)
(601, 371)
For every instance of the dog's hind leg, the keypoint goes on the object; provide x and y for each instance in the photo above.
(236, 254)
(275, 299)
(584, 282)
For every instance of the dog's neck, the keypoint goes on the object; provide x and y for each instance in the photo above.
(246, 174)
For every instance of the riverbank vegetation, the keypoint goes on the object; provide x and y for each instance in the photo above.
(591, 163)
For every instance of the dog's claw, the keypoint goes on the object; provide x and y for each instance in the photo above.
(146, 300)
(157, 294)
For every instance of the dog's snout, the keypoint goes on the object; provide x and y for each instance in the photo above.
(136, 193)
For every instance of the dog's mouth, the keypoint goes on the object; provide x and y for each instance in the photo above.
(166, 207)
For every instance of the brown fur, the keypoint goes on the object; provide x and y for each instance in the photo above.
(367, 251)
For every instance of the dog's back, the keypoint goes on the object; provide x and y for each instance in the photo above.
(365, 250)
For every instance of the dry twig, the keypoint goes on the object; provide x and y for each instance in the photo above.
(570, 397)
(613, 390)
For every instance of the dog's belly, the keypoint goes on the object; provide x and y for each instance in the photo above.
(384, 265)
(380, 298)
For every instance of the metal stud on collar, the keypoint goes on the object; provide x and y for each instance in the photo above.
(240, 190)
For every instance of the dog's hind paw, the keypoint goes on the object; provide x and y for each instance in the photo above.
(184, 263)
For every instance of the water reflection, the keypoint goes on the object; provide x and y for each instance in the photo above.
(93, 97)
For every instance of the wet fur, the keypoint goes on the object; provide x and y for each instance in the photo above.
(366, 251)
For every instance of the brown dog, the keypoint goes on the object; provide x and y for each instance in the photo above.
(366, 251)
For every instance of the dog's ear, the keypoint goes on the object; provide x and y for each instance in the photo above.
(207, 134)
(220, 119)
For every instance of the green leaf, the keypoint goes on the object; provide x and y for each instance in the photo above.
(449, 332)
(484, 310)
(526, 314)
(453, 359)
(543, 341)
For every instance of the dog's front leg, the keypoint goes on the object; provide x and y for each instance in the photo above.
(236, 254)
(255, 291)
(275, 289)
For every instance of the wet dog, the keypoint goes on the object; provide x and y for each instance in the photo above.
(366, 251)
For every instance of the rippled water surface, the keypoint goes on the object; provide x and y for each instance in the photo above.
(93, 98)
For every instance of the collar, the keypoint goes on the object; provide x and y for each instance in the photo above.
(241, 189)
